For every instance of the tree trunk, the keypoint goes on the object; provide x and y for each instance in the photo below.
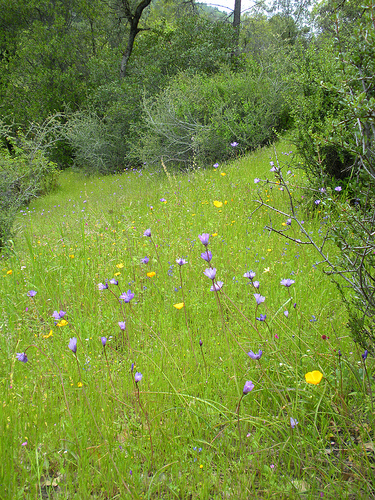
(133, 20)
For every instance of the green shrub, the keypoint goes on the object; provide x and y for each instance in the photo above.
(197, 117)
(25, 173)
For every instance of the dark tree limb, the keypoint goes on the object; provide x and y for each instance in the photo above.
(133, 20)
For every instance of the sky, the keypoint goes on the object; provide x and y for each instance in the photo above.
(228, 5)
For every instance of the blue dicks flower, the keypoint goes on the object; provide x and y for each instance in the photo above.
(204, 237)
(207, 256)
(57, 315)
(147, 233)
(217, 286)
(122, 325)
(145, 260)
(256, 284)
(216, 165)
(103, 286)
(254, 355)
(293, 422)
(210, 273)
(317, 202)
(256, 180)
(289, 222)
(262, 317)
(249, 274)
(287, 282)
(364, 355)
(73, 345)
(127, 296)
(338, 188)
(103, 340)
(138, 377)
(234, 144)
(259, 298)
(200, 342)
(248, 387)
(286, 313)
(31, 293)
(181, 262)
(21, 356)
(132, 367)
(163, 200)
(113, 281)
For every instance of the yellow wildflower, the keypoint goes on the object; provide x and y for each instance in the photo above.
(62, 322)
(218, 204)
(151, 274)
(120, 266)
(314, 377)
(49, 335)
(180, 305)
(10, 271)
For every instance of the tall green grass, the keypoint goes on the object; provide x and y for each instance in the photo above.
(81, 427)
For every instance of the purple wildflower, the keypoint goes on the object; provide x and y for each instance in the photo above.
(259, 298)
(338, 188)
(256, 180)
(287, 282)
(103, 286)
(57, 315)
(113, 281)
(204, 237)
(21, 356)
(255, 356)
(210, 273)
(293, 422)
(249, 274)
(200, 342)
(122, 325)
(31, 293)
(181, 262)
(127, 296)
(262, 317)
(216, 165)
(132, 367)
(147, 233)
(322, 190)
(145, 260)
(207, 256)
(364, 355)
(217, 286)
(248, 387)
(289, 222)
(104, 341)
(256, 284)
(73, 345)
(286, 314)
(317, 202)
(234, 144)
(138, 377)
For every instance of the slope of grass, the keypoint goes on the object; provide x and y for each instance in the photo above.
(79, 425)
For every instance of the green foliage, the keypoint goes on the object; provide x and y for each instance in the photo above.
(196, 118)
(25, 173)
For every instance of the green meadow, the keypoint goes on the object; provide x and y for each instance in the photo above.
(155, 396)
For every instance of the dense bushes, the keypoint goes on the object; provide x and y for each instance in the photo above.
(25, 172)
(196, 118)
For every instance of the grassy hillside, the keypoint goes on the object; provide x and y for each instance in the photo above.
(85, 424)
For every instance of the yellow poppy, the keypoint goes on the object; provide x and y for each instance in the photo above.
(218, 204)
(10, 271)
(80, 384)
(49, 335)
(214, 234)
(151, 274)
(223, 173)
(180, 305)
(120, 266)
(62, 322)
(314, 377)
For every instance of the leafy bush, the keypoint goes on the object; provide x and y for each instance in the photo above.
(336, 136)
(196, 118)
(25, 172)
